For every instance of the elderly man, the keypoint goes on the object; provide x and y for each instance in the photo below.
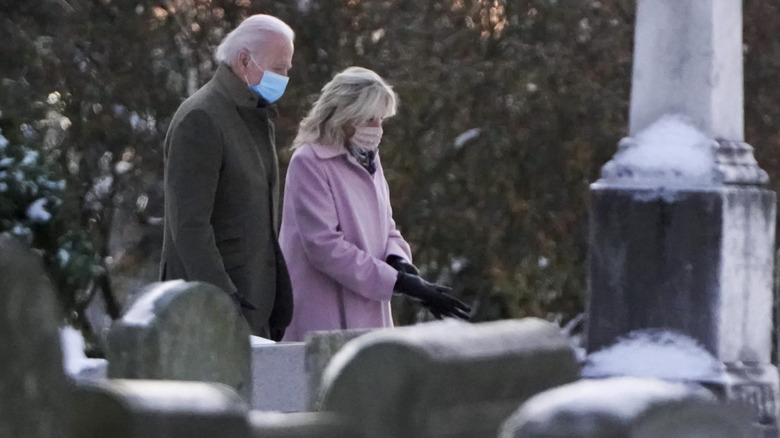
(222, 178)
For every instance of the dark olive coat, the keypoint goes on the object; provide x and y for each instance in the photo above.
(221, 199)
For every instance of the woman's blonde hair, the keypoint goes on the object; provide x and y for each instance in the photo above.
(354, 96)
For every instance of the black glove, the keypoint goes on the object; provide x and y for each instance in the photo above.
(276, 333)
(432, 296)
(401, 265)
(241, 302)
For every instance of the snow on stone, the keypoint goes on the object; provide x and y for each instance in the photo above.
(6, 162)
(142, 312)
(257, 341)
(624, 397)
(466, 137)
(36, 211)
(3, 142)
(75, 362)
(669, 151)
(655, 353)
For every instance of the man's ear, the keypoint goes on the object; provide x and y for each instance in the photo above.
(242, 60)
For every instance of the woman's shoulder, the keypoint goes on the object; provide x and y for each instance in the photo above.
(317, 151)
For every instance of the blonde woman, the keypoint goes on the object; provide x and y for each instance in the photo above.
(344, 253)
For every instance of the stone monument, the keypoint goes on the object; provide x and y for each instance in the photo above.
(444, 379)
(178, 330)
(33, 383)
(682, 224)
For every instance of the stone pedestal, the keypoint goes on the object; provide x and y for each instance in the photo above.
(698, 261)
(693, 256)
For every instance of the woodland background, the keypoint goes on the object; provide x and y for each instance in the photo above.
(508, 110)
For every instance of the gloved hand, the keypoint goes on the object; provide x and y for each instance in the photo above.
(401, 265)
(433, 296)
(241, 302)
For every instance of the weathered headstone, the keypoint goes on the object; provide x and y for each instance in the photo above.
(682, 225)
(33, 385)
(301, 425)
(626, 408)
(321, 346)
(693, 420)
(278, 377)
(445, 379)
(182, 331)
(157, 409)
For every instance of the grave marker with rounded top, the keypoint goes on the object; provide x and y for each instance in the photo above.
(179, 330)
(33, 386)
(445, 379)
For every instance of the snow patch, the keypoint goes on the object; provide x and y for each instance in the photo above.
(655, 353)
(142, 312)
(624, 397)
(670, 151)
(30, 158)
(466, 137)
(75, 362)
(36, 211)
(257, 341)
(63, 256)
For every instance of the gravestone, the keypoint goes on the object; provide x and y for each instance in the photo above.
(445, 379)
(321, 346)
(33, 386)
(682, 225)
(180, 330)
(278, 377)
(626, 408)
(301, 425)
(157, 409)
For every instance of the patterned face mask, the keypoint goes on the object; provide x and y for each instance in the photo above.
(367, 138)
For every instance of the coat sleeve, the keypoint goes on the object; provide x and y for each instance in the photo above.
(325, 247)
(193, 162)
(396, 245)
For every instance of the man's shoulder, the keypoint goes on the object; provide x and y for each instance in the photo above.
(206, 102)
(207, 98)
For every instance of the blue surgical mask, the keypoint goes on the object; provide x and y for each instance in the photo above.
(271, 85)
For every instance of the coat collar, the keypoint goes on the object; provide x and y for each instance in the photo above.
(238, 91)
(324, 151)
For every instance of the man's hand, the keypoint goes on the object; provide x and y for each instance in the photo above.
(276, 333)
(241, 302)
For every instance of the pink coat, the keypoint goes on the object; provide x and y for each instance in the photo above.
(337, 230)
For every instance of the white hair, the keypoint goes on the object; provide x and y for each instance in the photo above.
(354, 96)
(250, 34)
